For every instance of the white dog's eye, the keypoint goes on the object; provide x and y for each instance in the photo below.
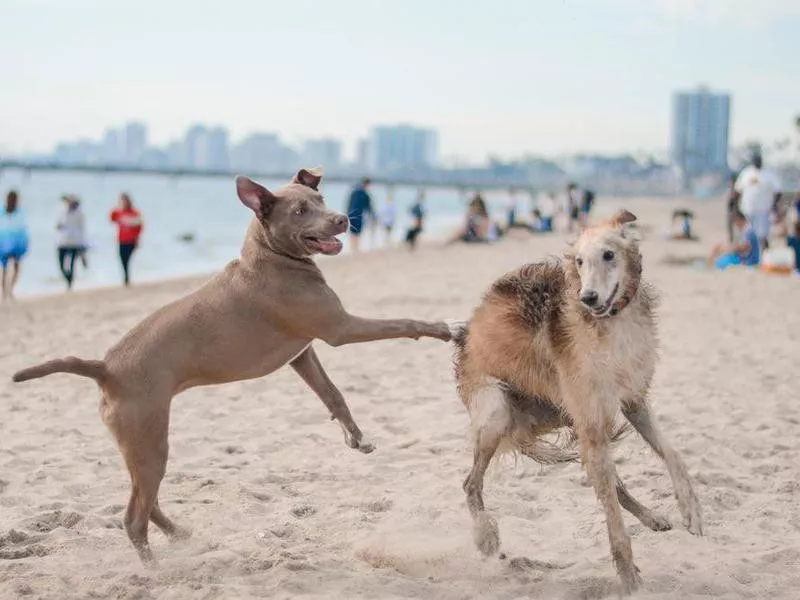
(608, 256)
(300, 211)
(579, 262)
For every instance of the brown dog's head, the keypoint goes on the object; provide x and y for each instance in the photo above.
(295, 219)
(604, 266)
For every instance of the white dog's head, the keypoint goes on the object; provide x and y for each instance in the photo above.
(604, 266)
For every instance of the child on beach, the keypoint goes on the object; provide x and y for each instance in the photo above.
(13, 243)
(745, 249)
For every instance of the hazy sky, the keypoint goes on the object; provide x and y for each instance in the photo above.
(502, 76)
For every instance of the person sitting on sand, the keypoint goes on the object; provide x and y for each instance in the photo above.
(745, 249)
(477, 226)
(684, 219)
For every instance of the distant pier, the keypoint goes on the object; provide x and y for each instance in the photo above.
(428, 181)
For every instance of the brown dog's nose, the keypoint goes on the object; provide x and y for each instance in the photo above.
(341, 222)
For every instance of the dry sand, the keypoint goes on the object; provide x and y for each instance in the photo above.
(281, 508)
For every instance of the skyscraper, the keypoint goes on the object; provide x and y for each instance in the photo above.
(402, 148)
(135, 135)
(324, 152)
(700, 122)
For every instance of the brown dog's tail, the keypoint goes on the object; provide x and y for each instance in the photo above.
(95, 369)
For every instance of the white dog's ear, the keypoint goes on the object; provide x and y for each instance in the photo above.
(309, 177)
(623, 217)
(254, 196)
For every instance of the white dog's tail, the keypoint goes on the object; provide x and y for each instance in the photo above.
(94, 369)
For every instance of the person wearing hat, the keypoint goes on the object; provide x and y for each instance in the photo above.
(72, 237)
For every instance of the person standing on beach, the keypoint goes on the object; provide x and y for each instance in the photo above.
(129, 223)
(417, 220)
(732, 206)
(759, 189)
(13, 243)
(359, 209)
(573, 205)
(388, 217)
(72, 237)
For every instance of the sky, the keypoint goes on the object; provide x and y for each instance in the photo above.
(502, 77)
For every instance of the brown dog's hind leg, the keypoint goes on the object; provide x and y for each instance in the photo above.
(491, 421)
(648, 518)
(307, 365)
(641, 419)
(595, 453)
(142, 438)
(165, 524)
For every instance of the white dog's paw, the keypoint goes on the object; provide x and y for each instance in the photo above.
(486, 534)
(457, 327)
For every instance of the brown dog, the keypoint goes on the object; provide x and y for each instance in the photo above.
(261, 313)
(568, 346)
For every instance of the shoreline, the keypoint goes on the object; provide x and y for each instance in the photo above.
(188, 280)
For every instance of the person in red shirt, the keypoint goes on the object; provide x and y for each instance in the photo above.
(129, 223)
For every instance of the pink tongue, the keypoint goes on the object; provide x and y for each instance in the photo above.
(331, 245)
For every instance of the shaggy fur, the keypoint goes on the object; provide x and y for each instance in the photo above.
(562, 347)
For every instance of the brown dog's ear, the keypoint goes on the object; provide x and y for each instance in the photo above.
(254, 196)
(622, 217)
(309, 177)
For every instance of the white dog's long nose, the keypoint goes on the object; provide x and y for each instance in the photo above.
(589, 298)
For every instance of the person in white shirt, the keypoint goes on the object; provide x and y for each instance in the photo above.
(758, 188)
(72, 237)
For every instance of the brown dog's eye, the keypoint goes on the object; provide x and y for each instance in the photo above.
(579, 262)
(608, 256)
(300, 211)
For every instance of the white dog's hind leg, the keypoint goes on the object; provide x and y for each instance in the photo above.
(491, 421)
(641, 419)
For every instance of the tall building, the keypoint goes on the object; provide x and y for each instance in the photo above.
(362, 154)
(112, 147)
(324, 152)
(195, 142)
(217, 149)
(135, 135)
(263, 153)
(700, 123)
(402, 148)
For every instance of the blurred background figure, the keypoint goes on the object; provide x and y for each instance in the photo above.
(759, 189)
(388, 217)
(417, 220)
(732, 205)
(359, 211)
(71, 237)
(745, 249)
(547, 207)
(683, 219)
(587, 202)
(13, 243)
(129, 226)
(477, 225)
(512, 209)
(573, 203)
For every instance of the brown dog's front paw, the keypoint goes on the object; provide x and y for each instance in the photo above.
(357, 442)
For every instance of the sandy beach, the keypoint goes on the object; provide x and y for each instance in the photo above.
(280, 507)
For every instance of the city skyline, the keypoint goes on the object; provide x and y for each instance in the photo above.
(524, 78)
(385, 149)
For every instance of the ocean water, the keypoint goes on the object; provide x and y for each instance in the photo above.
(207, 208)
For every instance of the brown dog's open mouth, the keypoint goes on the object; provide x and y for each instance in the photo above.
(324, 245)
